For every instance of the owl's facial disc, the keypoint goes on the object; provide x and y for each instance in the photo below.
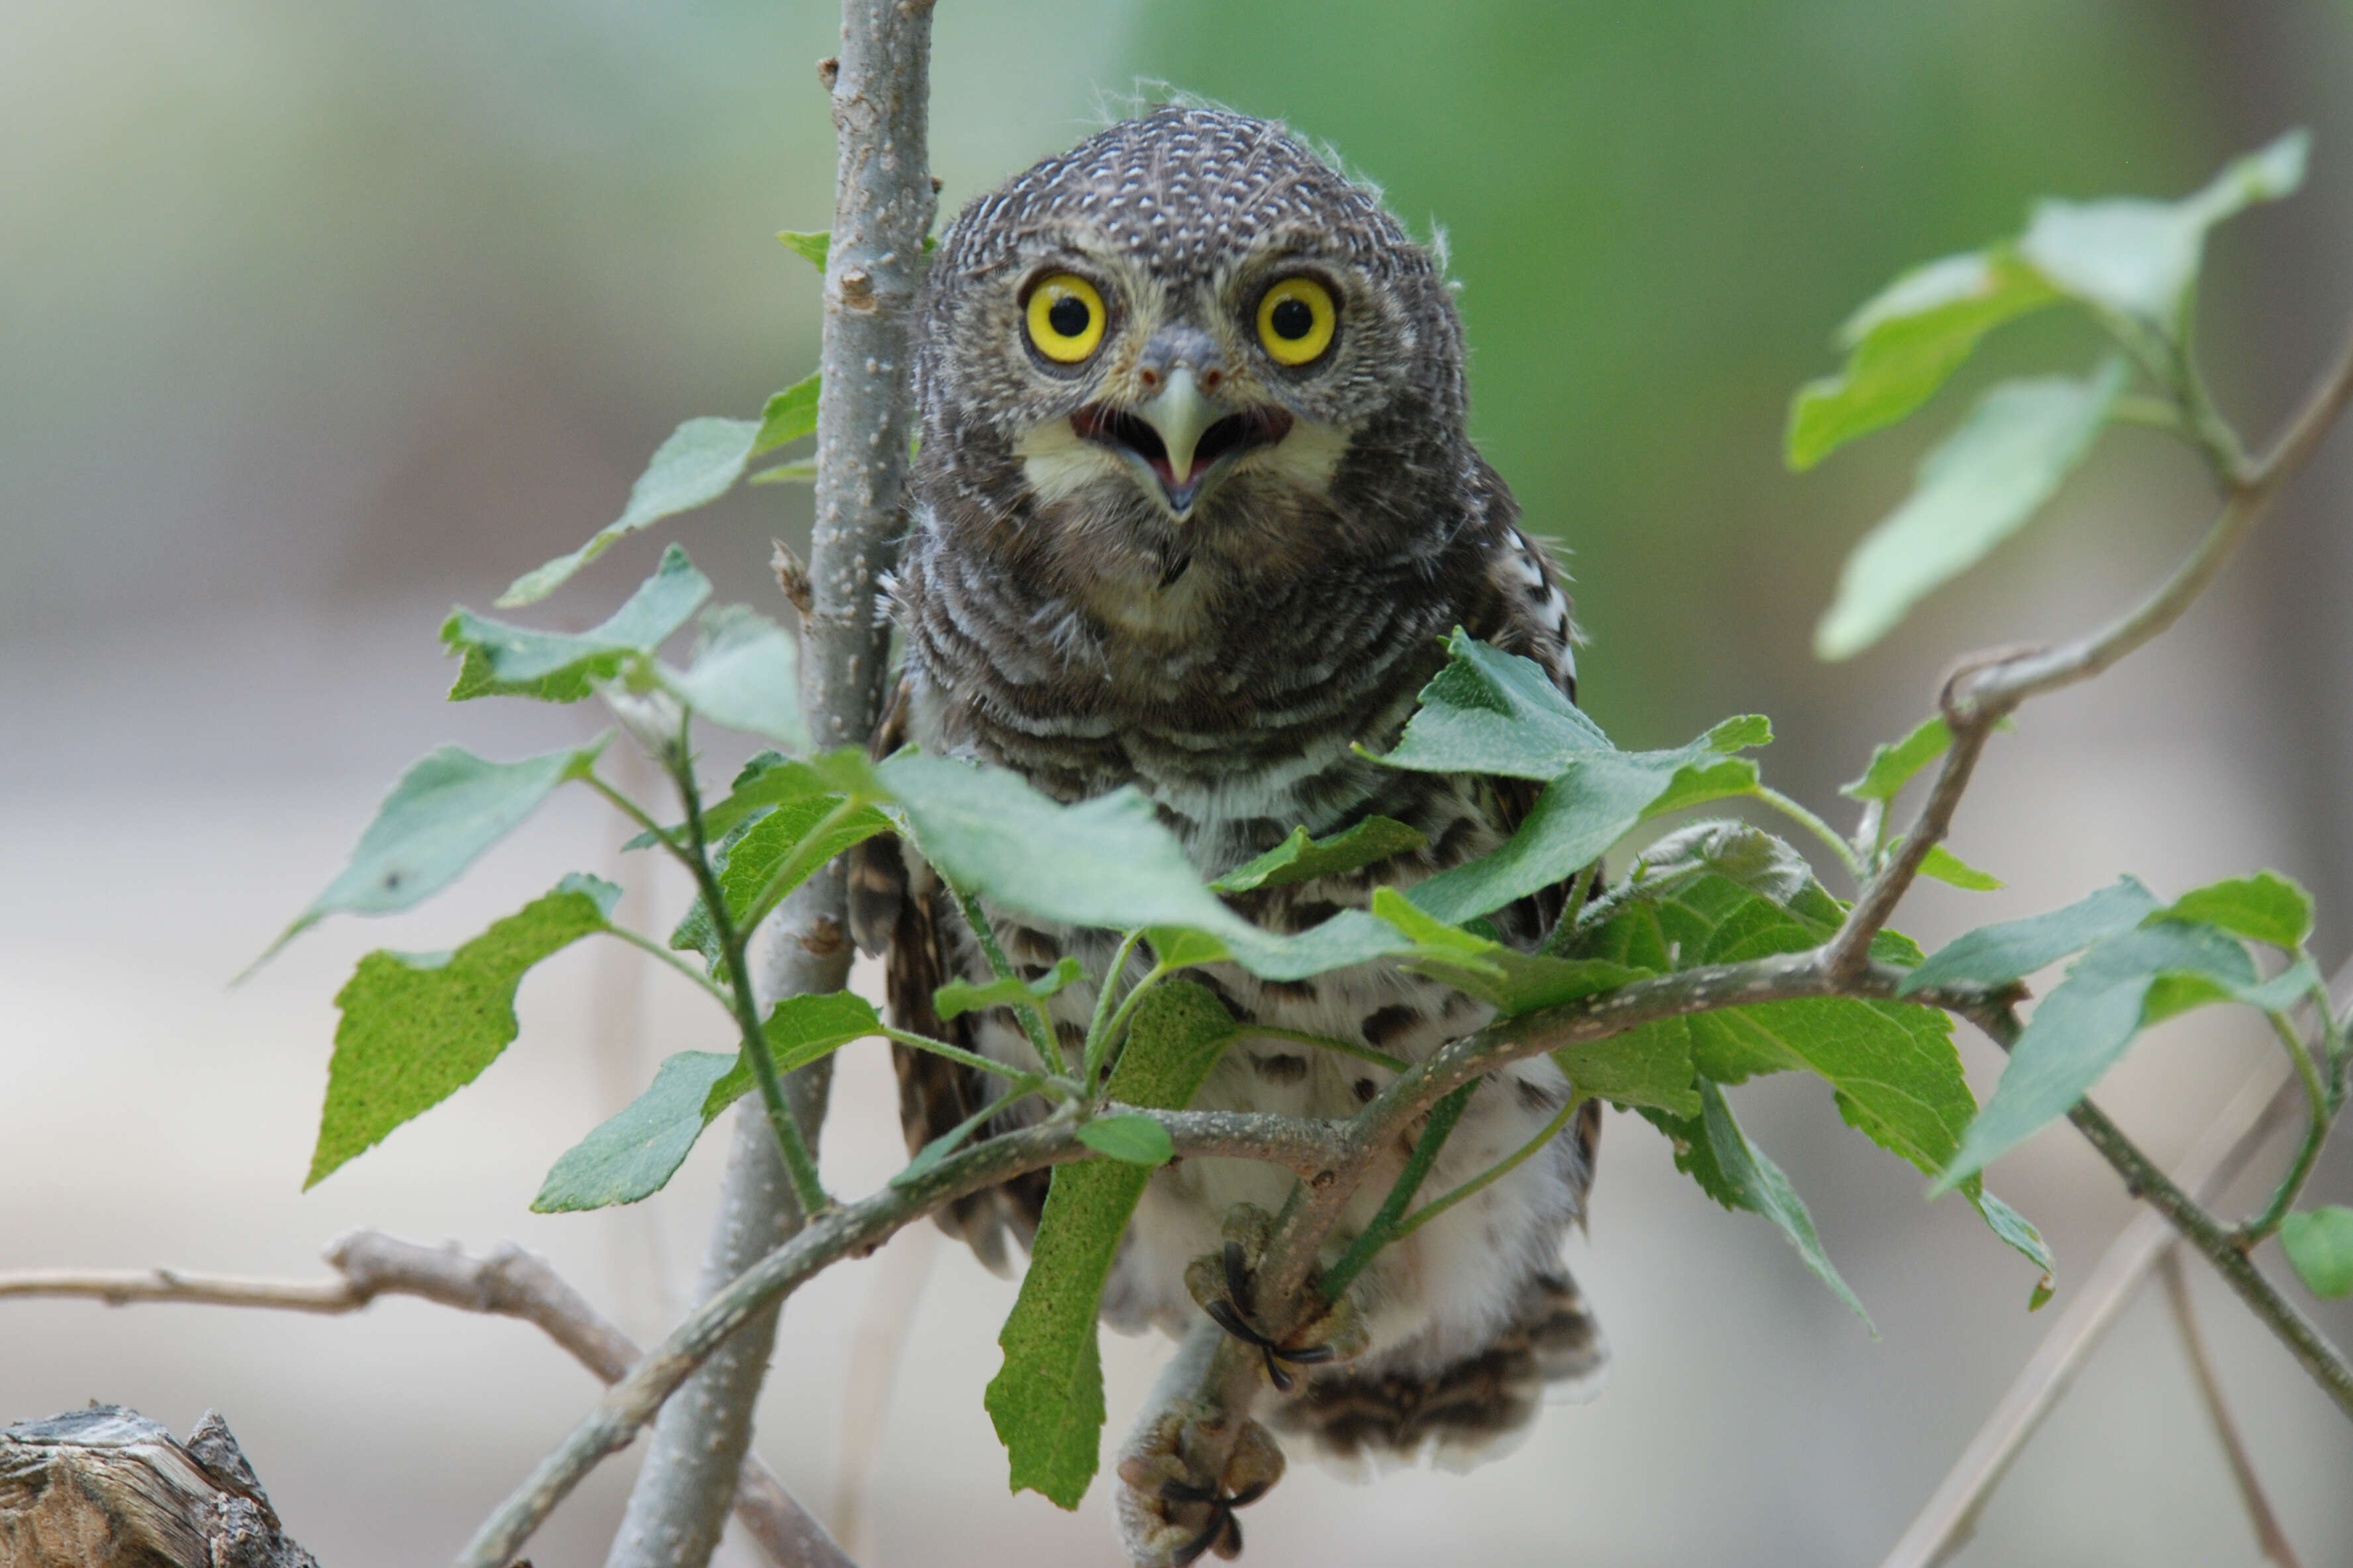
(1183, 439)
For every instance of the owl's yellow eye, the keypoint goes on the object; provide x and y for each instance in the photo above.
(1295, 320)
(1066, 317)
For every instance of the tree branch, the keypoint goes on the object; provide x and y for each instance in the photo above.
(1986, 687)
(1299, 1146)
(510, 1283)
(2269, 1537)
(2255, 1115)
(883, 204)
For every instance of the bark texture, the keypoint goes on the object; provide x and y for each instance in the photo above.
(883, 204)
(106, 1488)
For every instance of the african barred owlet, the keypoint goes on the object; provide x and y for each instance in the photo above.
(1194, 509)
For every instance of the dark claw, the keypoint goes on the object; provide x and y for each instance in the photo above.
(1222, 1528)
(1231, 1321)
(1234, 1315)
(1238, 1281)
(1192, 1549)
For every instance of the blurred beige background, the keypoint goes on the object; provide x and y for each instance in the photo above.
(314, 318)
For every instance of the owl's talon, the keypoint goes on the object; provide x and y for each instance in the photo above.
(1174, 1510)
(1332, 1335)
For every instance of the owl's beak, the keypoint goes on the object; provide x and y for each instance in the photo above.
(1184, 440)
(1181, 415)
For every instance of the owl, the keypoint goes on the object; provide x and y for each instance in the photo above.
(1193, 509)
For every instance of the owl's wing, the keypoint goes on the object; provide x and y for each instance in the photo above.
(1525, 611)
(897, 909)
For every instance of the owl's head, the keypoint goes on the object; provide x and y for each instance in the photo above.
(1189, 326)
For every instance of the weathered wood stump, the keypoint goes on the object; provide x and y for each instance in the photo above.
(106, 1488)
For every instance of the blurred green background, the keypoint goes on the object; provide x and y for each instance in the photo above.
(314, 317)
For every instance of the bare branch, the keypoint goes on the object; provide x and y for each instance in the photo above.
(2253, 1117)
(2269, 1537)
(510, 1283)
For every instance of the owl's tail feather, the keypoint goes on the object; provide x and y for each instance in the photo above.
(1363, 1417)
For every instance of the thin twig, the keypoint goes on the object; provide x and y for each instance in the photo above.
(510, 1283)
(876, 1349)
(2269, 1537)
(800, 1164)
(2253, 1117)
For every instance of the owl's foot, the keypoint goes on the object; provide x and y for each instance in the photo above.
(1222, 1282)
(1171, 1512)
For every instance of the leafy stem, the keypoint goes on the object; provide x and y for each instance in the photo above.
(2322, 1112)
(1383, 1229)
(1488, 1177)
(1031, 1013)
(1062, 1087)
(1363, 1053)
(653, 949)
(795, 868)
(799, 1166)
(1797, 813)
(1098, 1030)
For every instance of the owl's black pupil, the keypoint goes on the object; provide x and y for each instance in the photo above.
(1292, 320)
(1068, 315)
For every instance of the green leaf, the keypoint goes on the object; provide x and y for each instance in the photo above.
(635, 1154)
(2319, 1245)
(775, 854)
(945, 1144)
(1891, 767)
(1947, 867)
(768, 779)
(811, 248)
(788, 415)
(502, 660)
(1996, 955)
(957, 997)
(1514, 982)
(417, 1028)
(1904, 344)
(1650, 1065)
(2265, 907)
(2139, 257)
(701, 462)
(1046, 1402)
(1975, 490)
(1300, 859)
(1106, 862)
(1727, 892)
(1713, 1151)
(447, 809)
(1494, 712)
(1133, 1139)
(1177, 947)
(799, 471)
(799, 1030)
(2080, 1029)
(747, 676)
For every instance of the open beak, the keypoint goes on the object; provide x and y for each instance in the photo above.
(1184, 440)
